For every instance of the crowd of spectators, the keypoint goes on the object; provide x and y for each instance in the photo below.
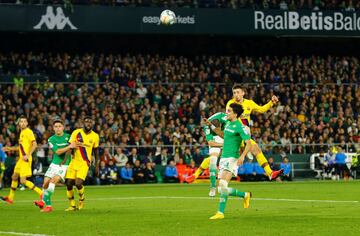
(347, 5)
(148, 109)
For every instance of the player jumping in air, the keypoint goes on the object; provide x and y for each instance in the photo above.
(27, 145)
(87, 142)
(248, 107)
(234, 134)
(59, 144)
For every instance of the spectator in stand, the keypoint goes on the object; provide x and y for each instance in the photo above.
(106, 157)
(187, 156)
(113, 173)
(191, 168)
(328, 162)
(260, 174)
(181, 168)
(103, 173)
(286, 166)
(133, 157)
(171, 174)
(272, 164)
(150, 173)
(127, 174)
(120, 158)
(139, 173)
(163, 158)
(340, 164)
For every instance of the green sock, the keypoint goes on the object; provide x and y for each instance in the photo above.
(47, 194)
(236, 193)
(223, 201)
(213, 177)
(47, 197)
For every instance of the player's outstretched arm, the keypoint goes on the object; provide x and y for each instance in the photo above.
(10, 149)
(67, 148)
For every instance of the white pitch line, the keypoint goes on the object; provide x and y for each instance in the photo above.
(23, 234)
(204, 198)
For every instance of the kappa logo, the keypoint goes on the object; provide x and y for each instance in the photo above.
(52, 21)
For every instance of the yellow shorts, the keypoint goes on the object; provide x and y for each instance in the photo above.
(77, 171)
(23, 168)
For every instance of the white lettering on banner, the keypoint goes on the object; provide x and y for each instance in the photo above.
(293, 20)
(186, 20)
(54, 21)
(314, 21)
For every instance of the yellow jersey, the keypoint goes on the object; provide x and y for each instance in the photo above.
(249, 106)
(26, 139)
(89, 142)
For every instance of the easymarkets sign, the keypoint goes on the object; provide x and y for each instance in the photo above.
(314, 21)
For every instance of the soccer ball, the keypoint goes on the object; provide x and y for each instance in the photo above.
(167, 17)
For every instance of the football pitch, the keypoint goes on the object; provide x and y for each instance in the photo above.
(295, 208)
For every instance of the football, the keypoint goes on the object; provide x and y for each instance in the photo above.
(167, 17)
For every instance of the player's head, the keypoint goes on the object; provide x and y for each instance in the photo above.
(234, 111)
(58, 126)
(238, 92)
(23, 122)
(88, 123)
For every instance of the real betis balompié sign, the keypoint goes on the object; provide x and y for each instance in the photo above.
(307, 21)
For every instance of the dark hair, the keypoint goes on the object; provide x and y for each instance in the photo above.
(237, 86)
(22, 117)
(58, 121)
(237, 108)
(88, 117)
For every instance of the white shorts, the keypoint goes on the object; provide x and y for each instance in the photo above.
(228, 164)
(55, 169)
(217, 150)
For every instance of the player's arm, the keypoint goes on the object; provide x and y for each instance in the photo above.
(210, 138)
(261, 109)
(65, 149)
(211, 126)
(10, 149)
(244, 134)
(31, 151)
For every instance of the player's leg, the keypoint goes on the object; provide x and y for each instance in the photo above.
(26, 172)
(49, 192)
(14, 184)
(261, 159)
(213, 161)
(224, 194)
(203, 166)
(30, 185)
(70, 182)
(80, 178)
(81, 190)
(41, 203)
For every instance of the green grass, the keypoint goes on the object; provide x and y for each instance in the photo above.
(185, 210)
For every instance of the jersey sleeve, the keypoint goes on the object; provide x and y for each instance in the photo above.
(30, 135)
(208, 134)
(53, 145)
(261, 109)
(220, 116)
(244, 134)
(73, 136)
